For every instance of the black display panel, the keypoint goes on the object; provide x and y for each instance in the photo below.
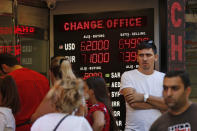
(103, 44)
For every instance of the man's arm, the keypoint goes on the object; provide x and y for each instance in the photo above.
(128, 95)
(157, 102)
(136, 100)
(98, 120)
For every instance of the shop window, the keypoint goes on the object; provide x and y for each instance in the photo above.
(191, 46)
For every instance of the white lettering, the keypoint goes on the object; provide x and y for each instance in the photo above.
(115, 84)
(115, 103)
(69, 46)
(116, 113)
(115, 94)
(115, 75)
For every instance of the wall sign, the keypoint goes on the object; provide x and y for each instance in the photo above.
(12, 49)
(103, 44)
(176, 34)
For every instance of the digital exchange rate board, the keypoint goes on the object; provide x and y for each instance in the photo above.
(103, 44)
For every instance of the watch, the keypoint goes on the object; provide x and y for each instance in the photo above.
(146, 96)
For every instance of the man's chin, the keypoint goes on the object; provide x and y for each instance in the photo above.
(146, 67)
(171, 105)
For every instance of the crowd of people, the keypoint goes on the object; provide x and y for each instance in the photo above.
(154, 101)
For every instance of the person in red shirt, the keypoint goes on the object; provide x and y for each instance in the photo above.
(99, 110)
(31, 85)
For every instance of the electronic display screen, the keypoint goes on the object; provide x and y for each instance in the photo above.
(104, 44)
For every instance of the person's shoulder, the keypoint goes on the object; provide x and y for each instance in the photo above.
(194, 106)
(76, 117)
(98, 107)
(81, 122)
(159, 73)
(129, 72)
(5, 110)
(35, 73)
(51, 116)
(160, 120)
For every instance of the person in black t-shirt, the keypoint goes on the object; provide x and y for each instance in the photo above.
(182, 113)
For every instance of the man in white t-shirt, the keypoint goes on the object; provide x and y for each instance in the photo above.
(142, 89)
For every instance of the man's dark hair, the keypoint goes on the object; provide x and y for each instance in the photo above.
(182, 74)
(8, 59)
(147, 45)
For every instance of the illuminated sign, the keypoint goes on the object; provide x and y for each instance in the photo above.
(12, 49)
(24, 30)
(103, 44)
(109, 23)
(176, 34)
(20, 30)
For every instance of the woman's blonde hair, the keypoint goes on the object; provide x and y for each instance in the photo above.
(67, 95)
(61, 68)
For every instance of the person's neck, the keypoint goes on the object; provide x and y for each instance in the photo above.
(93, 101)
(15, 68)
(146, 72)
(181, 110)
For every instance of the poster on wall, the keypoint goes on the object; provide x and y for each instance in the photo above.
(103, 44)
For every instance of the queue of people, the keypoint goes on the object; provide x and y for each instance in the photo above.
(31, 87)
(154, 101)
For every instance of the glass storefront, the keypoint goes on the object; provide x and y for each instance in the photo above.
(191, 45)
(22, 34)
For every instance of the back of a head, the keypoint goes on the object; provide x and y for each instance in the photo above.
(182, 74)
(67, 95)
(8, 59)
(149, 44)
(9, 93)
(61, 68)
(98, 85)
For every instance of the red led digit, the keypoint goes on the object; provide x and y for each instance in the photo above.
(106, 44)
(83, 48)
(100, 74)
(86, 76)
(88, 45)
(127, 56)
(100, 57)
(122, 56)
(133, 56)
(100, 44)
(94, 45)
(93, 58)
(84, 57)
(133, 43)
(106, 57)
(127, 43)
(121, 44)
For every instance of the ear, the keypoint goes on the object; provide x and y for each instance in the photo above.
(188, 91)
(5, 68)
(156, 57)
(91, 91)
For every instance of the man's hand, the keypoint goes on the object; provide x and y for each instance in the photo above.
(132, 96)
